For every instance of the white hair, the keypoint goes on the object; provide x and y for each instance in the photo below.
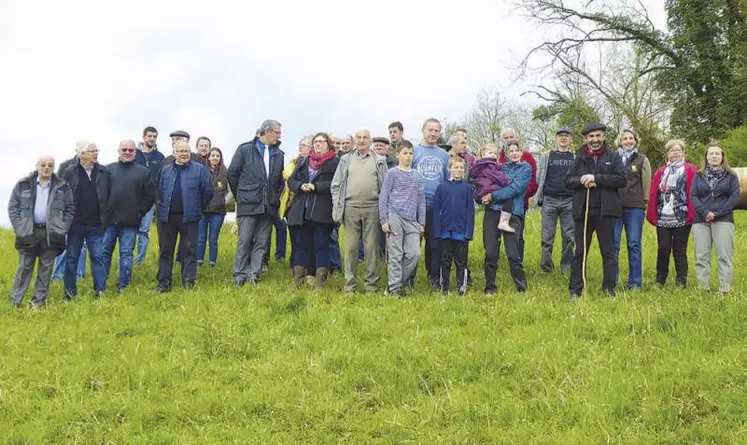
(82, 145)
(506, 130)
(454, 137)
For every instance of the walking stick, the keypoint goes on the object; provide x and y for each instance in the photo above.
(586, 250)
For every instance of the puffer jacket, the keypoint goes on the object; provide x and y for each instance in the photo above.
(60, 211)
(519, 175)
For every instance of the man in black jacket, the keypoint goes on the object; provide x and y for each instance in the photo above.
(132, 197)
(256, 180)
(41, 210)
(596, 173)
(91, 185)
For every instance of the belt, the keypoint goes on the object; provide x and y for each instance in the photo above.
(40, 226)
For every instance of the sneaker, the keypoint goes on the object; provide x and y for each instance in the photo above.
(211, 264)
(161, 290)
(188, 284)
(574, 297)
(461, 293)
(238, 282)
(98, 294)
(199, 263)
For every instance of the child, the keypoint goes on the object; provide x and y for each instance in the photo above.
(402, 218)
(488, 177)
(453, 223)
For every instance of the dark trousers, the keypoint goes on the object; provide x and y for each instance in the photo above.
(312, 245)
(491, 239)
(27, 259)
(281, 238)
(604, 226)
(453, 251)
(672, 240)
(334, 249)
(432, 249)
(167, 233)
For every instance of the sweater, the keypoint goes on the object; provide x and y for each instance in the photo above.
(453, 211)
(403, 193)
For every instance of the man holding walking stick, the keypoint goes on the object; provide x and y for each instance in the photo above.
(594, 177)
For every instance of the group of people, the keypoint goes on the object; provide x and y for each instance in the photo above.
(386, 194)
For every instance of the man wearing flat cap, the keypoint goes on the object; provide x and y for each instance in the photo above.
(596, 175)
(381, 148)
(556, 201)
(181, 136)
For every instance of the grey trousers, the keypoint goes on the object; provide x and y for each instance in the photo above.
(720, 237)
(554, 209)
(361, 222)
(27, 259)
(254, 237)
(403, 250)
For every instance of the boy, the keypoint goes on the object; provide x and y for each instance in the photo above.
(488, 177)
(453, 223)
(402, 218)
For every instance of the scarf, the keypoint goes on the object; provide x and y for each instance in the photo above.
(714, 175)
(626, 155)
(593, 153)
(672, 173)
(316, 160)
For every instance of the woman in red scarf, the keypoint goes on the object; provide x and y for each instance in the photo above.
(311, 211)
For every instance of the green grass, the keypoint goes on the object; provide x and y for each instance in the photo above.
(270, 364)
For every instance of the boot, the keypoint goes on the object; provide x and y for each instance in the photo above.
(321, 277)
(503, 224)
(299, 272)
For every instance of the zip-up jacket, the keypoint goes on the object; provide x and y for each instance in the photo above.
(720, 199)
(315, 206)
(256, 191)
(196, 187)
(152, 161)
(609, 176)
(131, 195)
(102, 186)
(519, 175)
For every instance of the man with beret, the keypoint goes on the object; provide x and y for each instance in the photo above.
(556, 201)
(381, 148)
(181, 136)
(596, 174)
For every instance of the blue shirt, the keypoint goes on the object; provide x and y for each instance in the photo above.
(432, 163)
(42, 196)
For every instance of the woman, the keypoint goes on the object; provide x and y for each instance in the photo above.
(714, 194)
(633, 198)
(310, 213)
(212, 220)
(519, 174)
(670, 209)
(286, 199)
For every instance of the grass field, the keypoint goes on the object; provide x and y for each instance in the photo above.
(270, 364)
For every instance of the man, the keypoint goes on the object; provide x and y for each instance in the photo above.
(149, 157)
(507, 135)
(395, 135)
(355, 194)
(182, 136)
(597, 173)
(458, 143)
(256, 180)
(431, 162)
(41, 210)
(336, 142)
(131, 197)
(59, 263)
(204, 145)
(556, 201)
(184, 189)
(346, 145)
(380, 147)
(91, 185)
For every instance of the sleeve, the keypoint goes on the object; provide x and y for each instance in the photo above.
(206, 183)
(616, 179)
(421, 203)
(295, 182)
(384, 198)
(470, 215)
(517, 187)
(646, 179)
(68, 215)
(14, 207)
(532, 186)
(436, 209)
(234, 170)
(695, 199)
(146, 193)
(573, 179)
(731, 201)
(324, 186)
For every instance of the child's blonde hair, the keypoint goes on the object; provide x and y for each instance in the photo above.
(456, 160)
(487, 147)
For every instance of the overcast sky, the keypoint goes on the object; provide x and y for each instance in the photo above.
(104, 70)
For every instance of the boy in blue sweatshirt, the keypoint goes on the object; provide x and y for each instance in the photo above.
(454, 223)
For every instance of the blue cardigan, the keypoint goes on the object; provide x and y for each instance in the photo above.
(454, 211)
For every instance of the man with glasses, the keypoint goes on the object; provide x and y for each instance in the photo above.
(256, 180)
(91, 185)
(132, 192)
(556, 201)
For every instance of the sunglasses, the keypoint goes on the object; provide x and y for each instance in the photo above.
(127, 150)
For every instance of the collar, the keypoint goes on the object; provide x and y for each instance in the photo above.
(261, 144)
(38, 182)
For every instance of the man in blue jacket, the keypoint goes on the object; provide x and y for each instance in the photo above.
(256, 180)
(148, 156)
(185, 188)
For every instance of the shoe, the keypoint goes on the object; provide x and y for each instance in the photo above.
(279, 258)
(35, 306)
(211, 264)
(461, 293)
(199, 263)
(188, 284)
(238, 282)
(299, 272)
(610, 292)
(98, 294)
(322, 273)
(503, 224)
(435, 283)
(264, 268)
(574, 297)
(161, 290)
(349, 293)
(489, 292)
(395, 293)
(121, 289)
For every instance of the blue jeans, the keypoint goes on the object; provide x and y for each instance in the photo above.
(632, 219)
(334, 249)
(126, 236)
(209, 228)
(143, 235)
(59, 265)
(93, 236)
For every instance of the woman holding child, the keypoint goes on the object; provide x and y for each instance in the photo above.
(501, 204)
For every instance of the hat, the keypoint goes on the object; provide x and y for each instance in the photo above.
(563, 130)
(593, 127)
(446, 147)
(381, 139)
(179, 134)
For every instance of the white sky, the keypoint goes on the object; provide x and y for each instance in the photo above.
(105, 70)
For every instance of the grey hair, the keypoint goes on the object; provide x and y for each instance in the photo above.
(506, 130)
(82, 145)
(267, 126)
(454, 138)
(306, 140)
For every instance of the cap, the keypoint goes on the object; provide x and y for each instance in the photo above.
(594, 127)
(179, 134)
(563, 130)
(381, 139)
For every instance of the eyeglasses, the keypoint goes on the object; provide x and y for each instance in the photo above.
(127, 150)
(92, 151)
(321, 141)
